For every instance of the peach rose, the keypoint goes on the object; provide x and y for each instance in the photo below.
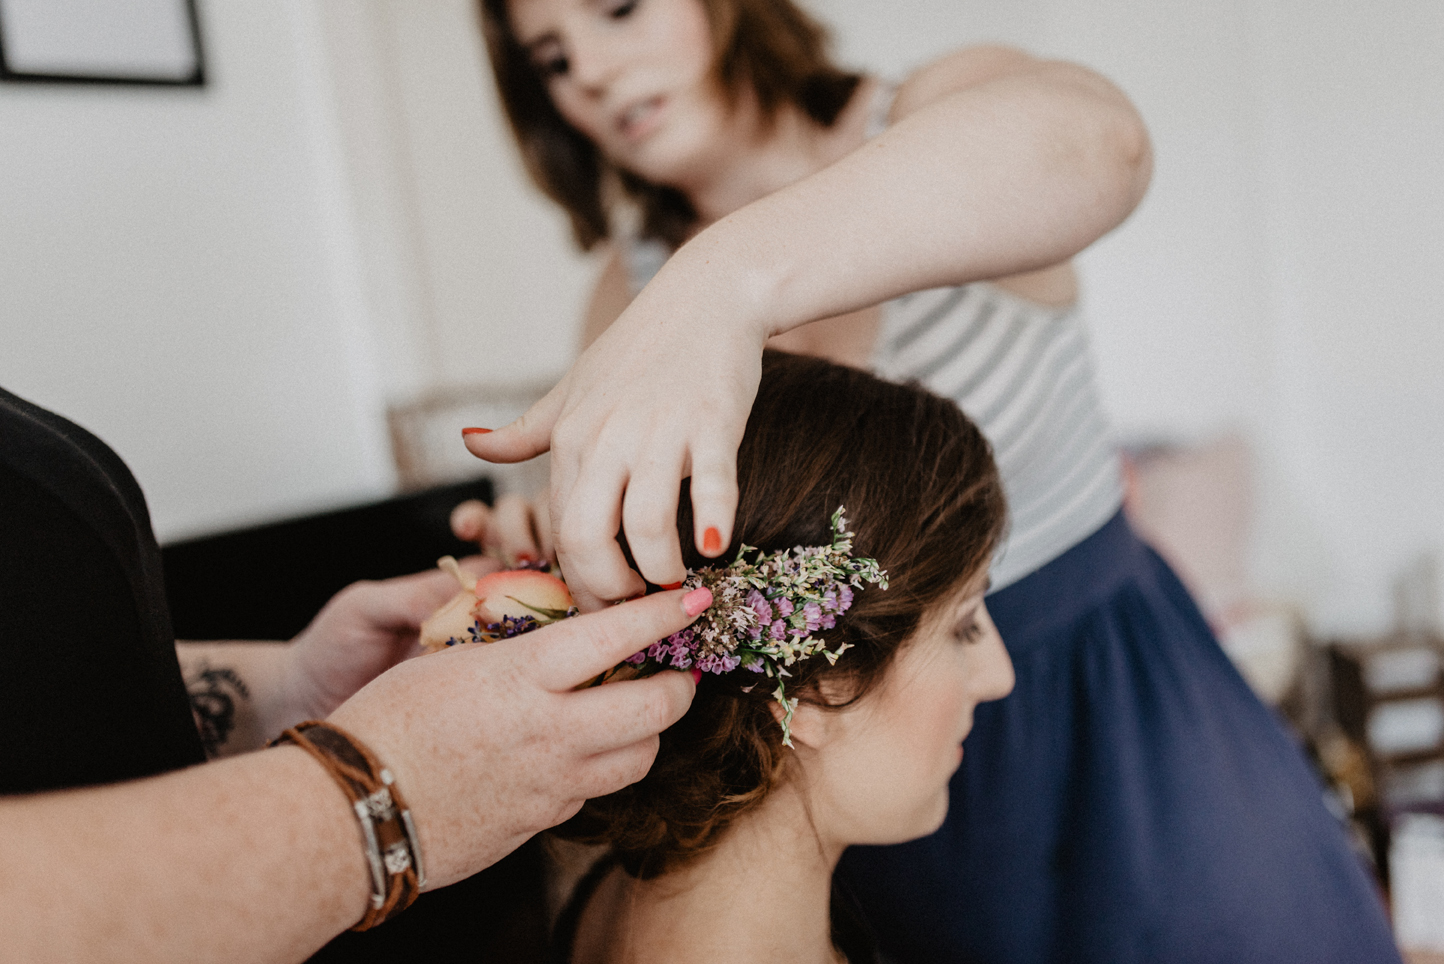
(492, 599)
(521, 592)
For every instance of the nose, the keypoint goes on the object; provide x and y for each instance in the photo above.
(995, 677)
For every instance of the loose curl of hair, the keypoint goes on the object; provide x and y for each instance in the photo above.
(923, 497)
(771, 48)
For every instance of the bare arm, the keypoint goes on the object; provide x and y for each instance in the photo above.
(243, 694)
(997, 164)
(259, 858)
(252, 859)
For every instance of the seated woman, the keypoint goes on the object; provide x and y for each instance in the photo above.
(725, 851)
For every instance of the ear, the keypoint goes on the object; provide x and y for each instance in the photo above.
(813, 726)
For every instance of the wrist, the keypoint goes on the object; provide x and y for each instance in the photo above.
(719, 274)
(388, 837)
(328, 835)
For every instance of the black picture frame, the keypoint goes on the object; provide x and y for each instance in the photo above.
(11, 72)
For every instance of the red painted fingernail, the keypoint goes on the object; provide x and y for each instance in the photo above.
(475, 431)
(697, 600)
(711, 540)
(527, 557)
(672, 585)
(696, 675)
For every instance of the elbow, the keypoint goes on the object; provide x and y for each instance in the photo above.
(1131, 151)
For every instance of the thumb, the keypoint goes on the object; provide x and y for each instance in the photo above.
(526, 438)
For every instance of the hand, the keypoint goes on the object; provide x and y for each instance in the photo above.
(662, 395)
(516, 530)
(492, 743)
(364, 630)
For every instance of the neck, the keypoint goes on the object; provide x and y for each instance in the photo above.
(761, 157)
(762, 894)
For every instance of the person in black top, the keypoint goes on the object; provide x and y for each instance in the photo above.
(118, 843)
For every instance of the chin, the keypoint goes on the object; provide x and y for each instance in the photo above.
(929, 819)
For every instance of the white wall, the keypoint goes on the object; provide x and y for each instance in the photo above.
(342, 220)
(178, 276)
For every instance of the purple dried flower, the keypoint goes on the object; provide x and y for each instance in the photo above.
(784, 607)
(719, 663)
(759, 605)
(777, 631)
(812, 613)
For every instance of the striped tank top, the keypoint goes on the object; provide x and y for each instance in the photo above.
(1022, 372)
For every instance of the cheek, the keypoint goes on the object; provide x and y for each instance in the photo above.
(687, 34)
(576, 110)
(944, 707)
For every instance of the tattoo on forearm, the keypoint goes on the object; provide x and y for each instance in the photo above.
(214, 693)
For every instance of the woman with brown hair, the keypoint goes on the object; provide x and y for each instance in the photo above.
(725, 850)
(1131, 800)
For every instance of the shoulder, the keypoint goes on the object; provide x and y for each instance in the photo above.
(977, 66)
(959, 70)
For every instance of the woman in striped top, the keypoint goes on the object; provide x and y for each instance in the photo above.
(1131, 801)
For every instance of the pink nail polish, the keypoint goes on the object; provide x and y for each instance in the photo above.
(697, 600)
(696, 675)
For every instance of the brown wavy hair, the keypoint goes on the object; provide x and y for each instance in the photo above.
(771, 48)
(924, 499)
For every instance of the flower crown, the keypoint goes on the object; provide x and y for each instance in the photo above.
(763, 615)
(764, 612)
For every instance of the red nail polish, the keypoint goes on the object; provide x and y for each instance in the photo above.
(475, 431)
(696, 675)
(712, 540)
(672, 585)
(697, 600)
(527, 557)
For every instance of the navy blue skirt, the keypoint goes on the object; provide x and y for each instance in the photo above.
(1130, 801)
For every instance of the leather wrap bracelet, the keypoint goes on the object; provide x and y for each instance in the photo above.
(388, 834)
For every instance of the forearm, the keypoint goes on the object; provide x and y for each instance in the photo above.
(1015, 173)
(252, 859)
(240, 693)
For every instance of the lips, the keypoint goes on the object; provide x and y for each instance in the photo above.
(640, 119)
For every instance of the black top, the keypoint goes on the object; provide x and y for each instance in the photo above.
(850, 933)
(90, 689)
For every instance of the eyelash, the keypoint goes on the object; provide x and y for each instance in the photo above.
(558, 66)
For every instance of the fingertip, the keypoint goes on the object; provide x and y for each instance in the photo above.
(711, 541)
(694, 602)
(468, 520)
(475, 441)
